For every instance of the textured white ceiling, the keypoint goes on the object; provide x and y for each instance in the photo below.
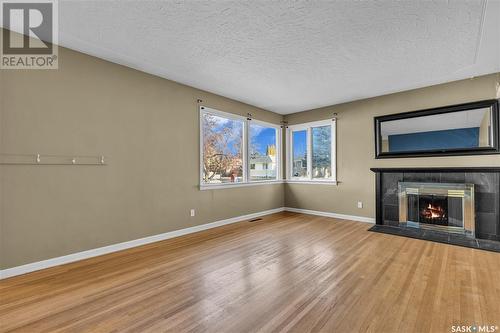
(289, 56)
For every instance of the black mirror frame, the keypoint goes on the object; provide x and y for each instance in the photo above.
(493, 103)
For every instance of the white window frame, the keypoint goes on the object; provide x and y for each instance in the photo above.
(289, 149)
(279, 139)
(245, 149)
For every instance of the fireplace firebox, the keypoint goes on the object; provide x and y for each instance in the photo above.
(433, 209)
(438, 206)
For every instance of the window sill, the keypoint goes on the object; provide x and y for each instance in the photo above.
(233, 185)
(269, 182)
(312, 182)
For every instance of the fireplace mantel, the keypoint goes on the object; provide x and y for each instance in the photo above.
(438, 169)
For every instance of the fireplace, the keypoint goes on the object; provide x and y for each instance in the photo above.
(452, 205)
(437, 206)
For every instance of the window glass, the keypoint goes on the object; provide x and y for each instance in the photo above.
(263, 153)
(321, 152)
(222, 149)
(299, 153)
(312, 151)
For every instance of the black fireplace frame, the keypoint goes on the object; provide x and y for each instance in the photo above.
(486, 182)
(429, 171)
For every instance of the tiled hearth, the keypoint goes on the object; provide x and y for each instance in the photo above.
(465, 210)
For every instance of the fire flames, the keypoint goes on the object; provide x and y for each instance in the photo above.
(433, 212)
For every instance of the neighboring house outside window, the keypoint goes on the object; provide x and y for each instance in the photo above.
(264, 166)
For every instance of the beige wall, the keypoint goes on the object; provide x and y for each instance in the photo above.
(356, 149)
(148, 129)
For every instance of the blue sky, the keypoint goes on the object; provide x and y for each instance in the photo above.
(299, 143)
(261, 137)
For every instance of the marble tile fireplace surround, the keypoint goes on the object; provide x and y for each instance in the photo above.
(459, 206)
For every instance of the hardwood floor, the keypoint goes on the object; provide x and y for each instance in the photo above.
(288, 272)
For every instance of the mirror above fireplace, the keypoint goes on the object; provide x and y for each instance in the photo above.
(464, 129)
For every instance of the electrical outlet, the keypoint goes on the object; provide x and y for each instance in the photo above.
(193, 213)
(360, 204)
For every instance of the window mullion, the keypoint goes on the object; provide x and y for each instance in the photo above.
(246, 158)
(279, 158)
(289, 152)
(309, 153)
(333, 153)
(202, 157)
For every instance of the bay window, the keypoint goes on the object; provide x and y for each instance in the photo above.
(311, 152)
(222, 150)
(235, 149)
(263, 151)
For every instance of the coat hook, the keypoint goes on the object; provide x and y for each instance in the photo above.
(102, 160)
(38, 158)
(73, 160)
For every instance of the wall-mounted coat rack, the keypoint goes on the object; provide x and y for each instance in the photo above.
(42, 159)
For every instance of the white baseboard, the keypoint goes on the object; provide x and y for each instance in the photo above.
(334, 215)
(35, 266)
